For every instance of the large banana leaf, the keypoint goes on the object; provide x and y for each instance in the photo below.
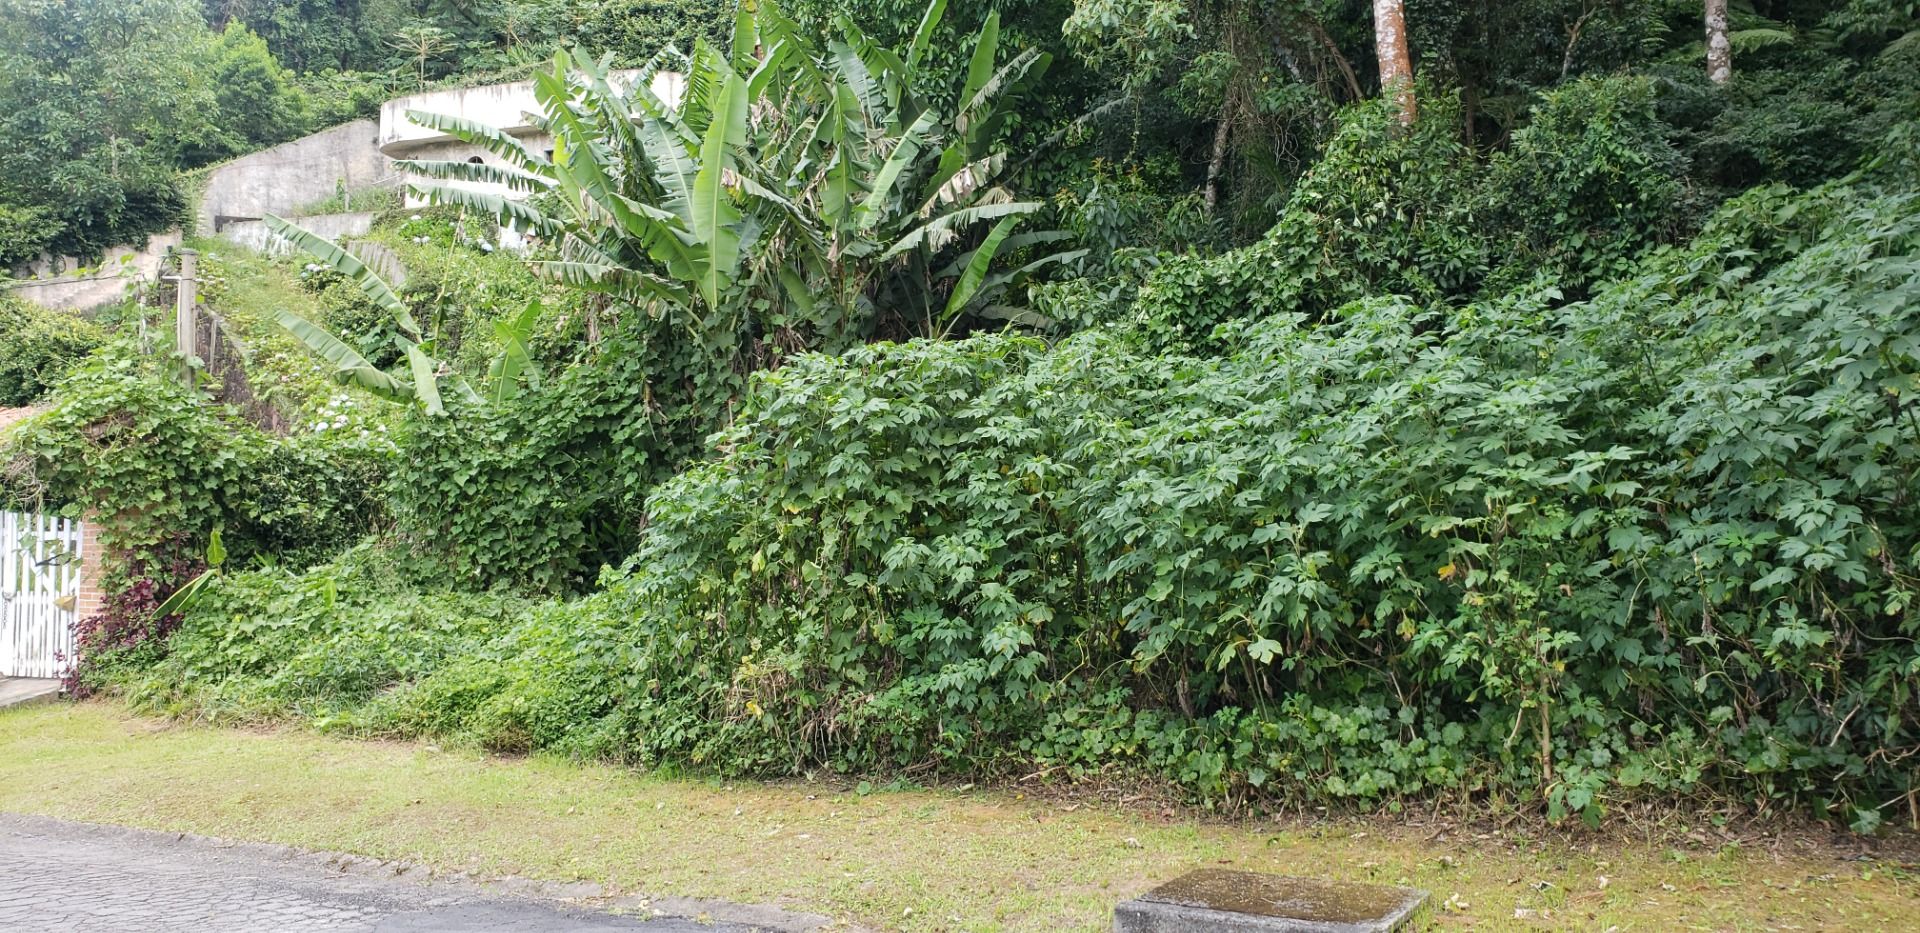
(514, 361)
(714, 215)
(497, 141)
(956, 221)
(426, 379)
(980, 67)
(772, 66)
(923, 34)
(905, 150)
(673, 166)
(978, 118)
(478, 172)
(858, 78)
(339, 260)
(507, 212)
(350, 367)
(976, 271)
(1017, 241)
(607, 105)
(607, 278)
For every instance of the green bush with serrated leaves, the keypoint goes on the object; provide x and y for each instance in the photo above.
(1662, 540)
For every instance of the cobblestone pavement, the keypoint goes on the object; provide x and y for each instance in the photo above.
(56, 875)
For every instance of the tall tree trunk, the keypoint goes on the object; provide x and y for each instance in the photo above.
(1719, 50)
(1396, 66)
(1219, 160)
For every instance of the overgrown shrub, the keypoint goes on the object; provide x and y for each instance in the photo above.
(276, 643)
(159, 468)
(38, 347)
(137, 449)
(1661, 540)
(1590, 182)
(545, 489)
(1386, 210)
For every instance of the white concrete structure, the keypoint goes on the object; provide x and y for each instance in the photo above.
(254, 235)
(291, 175)
(351, 157)
(507, 107)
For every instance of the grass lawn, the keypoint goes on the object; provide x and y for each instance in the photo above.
(919, 860)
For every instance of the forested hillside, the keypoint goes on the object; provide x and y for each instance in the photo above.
(1300, 404)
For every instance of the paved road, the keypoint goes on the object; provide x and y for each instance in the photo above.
(64, 876)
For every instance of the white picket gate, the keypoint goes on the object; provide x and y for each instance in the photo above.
(39, 587)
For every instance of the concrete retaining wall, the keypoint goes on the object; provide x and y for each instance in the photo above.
(254, 234)
(288, 176)
(63, 283)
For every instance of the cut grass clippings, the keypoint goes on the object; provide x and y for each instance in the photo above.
(915, 860)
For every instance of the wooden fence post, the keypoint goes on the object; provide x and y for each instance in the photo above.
(185, 298)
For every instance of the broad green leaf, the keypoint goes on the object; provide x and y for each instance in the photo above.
(977, 107)
(980, 67)
(507, 212)
(953, 223)
(923, 34)
(339, 260)
(477, 172)
(349, 366)
(512, 362)
(494, 140)
(673, 166)
(905, 150)
(187, 596)
(426, 382)
(714, 215)
(976, 271)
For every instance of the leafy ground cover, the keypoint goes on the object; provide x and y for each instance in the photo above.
(958, 858)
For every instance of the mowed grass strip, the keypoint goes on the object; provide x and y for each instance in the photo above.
(913, 860)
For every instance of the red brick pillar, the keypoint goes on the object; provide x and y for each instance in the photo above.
(93, 599)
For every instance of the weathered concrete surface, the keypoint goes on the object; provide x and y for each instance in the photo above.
(1214, 900)
(282, 179)
(56, 875)
(254, 234)
(17, 690)
(62, 282)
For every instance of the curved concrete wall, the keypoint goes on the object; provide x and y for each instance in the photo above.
(282, 179)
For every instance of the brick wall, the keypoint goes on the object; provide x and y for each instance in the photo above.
(92, 598)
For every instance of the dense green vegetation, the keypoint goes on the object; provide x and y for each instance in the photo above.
(1552, 445)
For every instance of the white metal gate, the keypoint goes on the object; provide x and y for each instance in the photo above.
(39, 586)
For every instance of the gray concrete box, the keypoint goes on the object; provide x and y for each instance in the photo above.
(1215, 900)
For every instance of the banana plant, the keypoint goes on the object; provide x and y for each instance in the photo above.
(799, 185)
(424, 375)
